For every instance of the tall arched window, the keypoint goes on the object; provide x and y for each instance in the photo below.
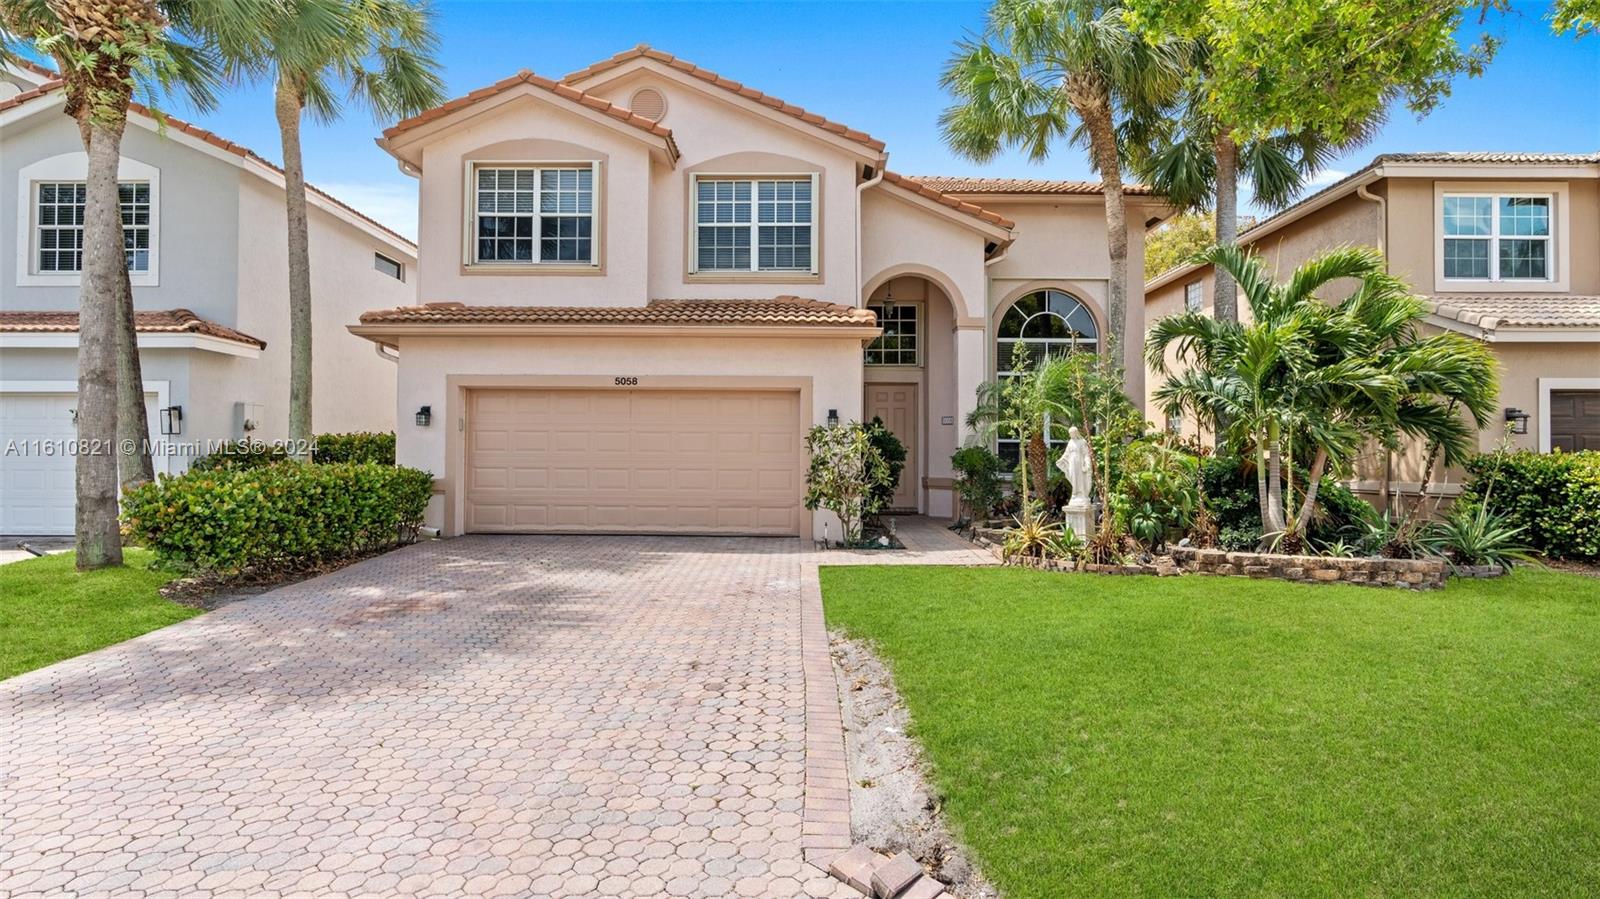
(1044, 323)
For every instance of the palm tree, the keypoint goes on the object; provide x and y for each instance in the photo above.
(1047, 70)
(104, 49)
(378, 54)
(1326, 376)
(1021, 406)
(1196, 162)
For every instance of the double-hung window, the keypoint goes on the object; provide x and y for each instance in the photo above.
(534, 214)
(58, 225)
(1497, 237)
(755, 224)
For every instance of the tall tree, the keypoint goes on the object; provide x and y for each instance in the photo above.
(1051, 70)
(105, 50)
(1275, 88)
(375, 53)
(1176, 241)
(1321, 376)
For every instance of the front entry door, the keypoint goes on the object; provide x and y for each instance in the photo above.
(896, 404)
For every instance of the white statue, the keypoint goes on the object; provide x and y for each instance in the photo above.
(1074, 463)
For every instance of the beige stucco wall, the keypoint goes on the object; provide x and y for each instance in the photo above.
(899, 239)
(832, 366)
(352, 389)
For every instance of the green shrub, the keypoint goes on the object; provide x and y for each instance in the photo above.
(1553, 497)
(358, 446)
(240, 454)
(978, 482)
(894, 453)
(1229, 483)
(276, 517)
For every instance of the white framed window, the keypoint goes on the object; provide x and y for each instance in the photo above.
(1497, 237)
(901, 340)
(534, 214)
(754, 224)
(53, 194)
(391, 267)
(1044, 323)
(1194, 296)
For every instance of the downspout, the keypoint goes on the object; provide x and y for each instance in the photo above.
(1386, 486)
(861, 192)
(392, 357)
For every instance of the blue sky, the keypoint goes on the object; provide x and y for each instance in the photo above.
(875, 66)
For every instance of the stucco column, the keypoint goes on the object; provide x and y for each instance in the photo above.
(971, 371)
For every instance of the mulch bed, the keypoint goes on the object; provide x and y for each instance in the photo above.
(213, 591)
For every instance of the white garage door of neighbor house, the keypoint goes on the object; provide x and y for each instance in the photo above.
(634, 461)
(37, 477)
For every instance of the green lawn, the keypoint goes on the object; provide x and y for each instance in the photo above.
(1224, 737)
(49, 611)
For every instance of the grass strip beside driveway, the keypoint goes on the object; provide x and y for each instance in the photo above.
(1200, 736)
(49, 611)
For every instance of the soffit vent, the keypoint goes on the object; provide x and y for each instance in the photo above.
(648, 102)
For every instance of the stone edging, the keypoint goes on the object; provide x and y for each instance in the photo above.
(825, 824)
(1415, 574)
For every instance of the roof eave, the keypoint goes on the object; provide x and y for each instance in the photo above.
(388, 332)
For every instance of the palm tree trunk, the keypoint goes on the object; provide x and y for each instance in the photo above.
(1038, 465)
(1103, 146)
(1274, 522)
(1319, 463)
(133, 425)
(288, 105)
(1225, 295)
(1261, 479)
(99, 541)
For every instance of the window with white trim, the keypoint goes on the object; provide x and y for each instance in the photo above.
(1044, 323)
(755, 224)
(1497, 237)
(534, 214)
(58, 225)
(1194, 296)
(900, 341)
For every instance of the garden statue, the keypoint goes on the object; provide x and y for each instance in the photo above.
(1074, 463)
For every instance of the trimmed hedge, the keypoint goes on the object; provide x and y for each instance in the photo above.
(276, 517)
(1555, 497)
(240, 454)
(358, 446)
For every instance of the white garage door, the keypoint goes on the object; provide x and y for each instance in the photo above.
(634, 461)
(37, 476)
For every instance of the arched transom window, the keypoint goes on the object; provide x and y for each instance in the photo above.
(1044, 323)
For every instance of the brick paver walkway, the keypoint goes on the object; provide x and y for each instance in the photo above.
(483, 716)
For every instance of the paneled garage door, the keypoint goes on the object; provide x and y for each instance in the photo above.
(634, 461)
(37, 494)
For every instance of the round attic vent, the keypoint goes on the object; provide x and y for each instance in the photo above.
(648, 102)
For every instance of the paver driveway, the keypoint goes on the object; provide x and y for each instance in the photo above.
(484, 716)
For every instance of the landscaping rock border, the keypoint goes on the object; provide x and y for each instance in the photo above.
(1415, 574)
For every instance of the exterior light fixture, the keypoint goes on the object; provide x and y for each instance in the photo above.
(888, 299)
(172, 420)
(424, 416)
(833, 418)
(1516, 420)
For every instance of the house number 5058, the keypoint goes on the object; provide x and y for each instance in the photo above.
(627, 382)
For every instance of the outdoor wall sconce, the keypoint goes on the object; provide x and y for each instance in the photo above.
(172, 420)
(833, 418)
(1516, 420)
(424, 416)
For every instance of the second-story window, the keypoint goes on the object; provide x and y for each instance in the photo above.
(534, 214)
(58, 224)
(1194, 296)
(1497, 238)
(754, 225)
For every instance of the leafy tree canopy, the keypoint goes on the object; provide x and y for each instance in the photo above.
(1576, 17)
(1176, 242)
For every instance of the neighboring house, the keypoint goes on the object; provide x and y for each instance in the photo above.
(1506, 249)
(643, 283)
(207, 254)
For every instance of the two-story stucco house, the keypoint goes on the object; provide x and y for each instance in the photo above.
(642, 284)
(1506, 248)
(207, 257)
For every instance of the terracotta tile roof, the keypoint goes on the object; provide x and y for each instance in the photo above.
(784, 310)
(564, 91)
(168, 321)
(963, 185)
(173, 123)
(645, 51)
(922, 189)
(1493, 157)
(1491, 311)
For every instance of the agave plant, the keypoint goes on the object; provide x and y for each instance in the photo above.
(1473, 535)
(1035, 537)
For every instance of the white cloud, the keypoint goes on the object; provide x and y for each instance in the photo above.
(395, 205)
(1326, 177)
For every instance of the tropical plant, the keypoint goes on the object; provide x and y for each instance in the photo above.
(1554, 497)
(1472, 534)
(1326, 377)
(894, 453)
(1045, 71)
(846, 475)
(106, 51)
(319, 54)
(1035, 537)
(1019, 406)
(978, 482)
(1158, 491)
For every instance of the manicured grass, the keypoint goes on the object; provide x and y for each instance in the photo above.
(49, 611)
(1223, 737)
